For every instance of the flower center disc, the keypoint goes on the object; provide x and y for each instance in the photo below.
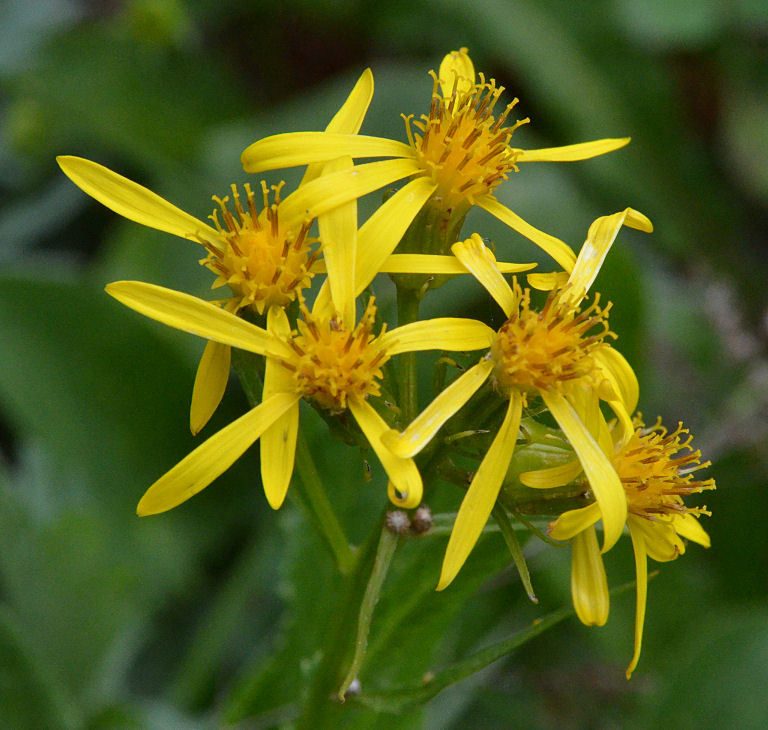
(263, 260)
(656, 469)
(461, 145)
(542, 350)
(333, 363)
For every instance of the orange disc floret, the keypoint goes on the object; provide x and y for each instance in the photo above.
(332, 363)
(263, 260)
(656, 468)
(460, 144)
(548, 349)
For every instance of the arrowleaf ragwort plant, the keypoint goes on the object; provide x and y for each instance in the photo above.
(553, 364)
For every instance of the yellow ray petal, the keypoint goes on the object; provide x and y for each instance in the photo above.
(303, 148)
(424, 427)
(402, 473)
(424, 263)
(589, 585)
(278, 442)
(336, 188)
(614, 367)
(210, 384)
(213, 457)
(573, 152)
(455, 334)
(190, 314)
(574, 521)
(641, 573)
(661, 541)
(557, 249)
(548, 281)
(381, 233)
(349, 118)
(134, 201)
(605, 483)
(689, 527)
(338, 234)
(456, 71)
(481, 263)
(480, 497)
(600, 237)
(554, 476)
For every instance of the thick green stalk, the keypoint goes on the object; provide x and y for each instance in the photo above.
(407, 312)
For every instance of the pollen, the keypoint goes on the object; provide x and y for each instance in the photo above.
(333, 363)
(657, 468)
(461, 145)
(548, 349)
(263, 260)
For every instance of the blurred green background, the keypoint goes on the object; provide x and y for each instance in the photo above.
(211, 613)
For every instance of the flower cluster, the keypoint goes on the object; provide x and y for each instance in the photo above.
(551, 362)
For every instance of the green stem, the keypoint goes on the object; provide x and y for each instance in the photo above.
(309, 491)
(387, 545)
(319, 507)
(408, 311)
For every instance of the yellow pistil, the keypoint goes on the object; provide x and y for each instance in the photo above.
(548, 349)
(656, 468)
(460, 144)
(333, 363)
(263, 260)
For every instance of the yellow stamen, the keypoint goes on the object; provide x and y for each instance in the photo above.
(263, 261)
(460, 144)
(547, 349)
(334, 363)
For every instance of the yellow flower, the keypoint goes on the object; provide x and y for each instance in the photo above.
(330, 360)
(266, 257)
(656, 471)
(558, 353)
(457, 155)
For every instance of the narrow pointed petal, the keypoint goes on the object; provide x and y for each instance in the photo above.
(557, 249)
(402, 473)
(690, 528)
(329, 191)
(615, 368)
(573, 152)
(574, 521)
(424, 427)
(600, 237)
(641, 573)
(424, 263)
(554, 476)
(278, 442)
(134, 201)
(213, 457)
(349, 118)
(338, 234)
(481, 263)
(606, 486)
(304, 148)
(662, 543)
(456, 334)
(589, 584)
(380, 234)
(210, 384)
(456, 72)
(196, 316)
(480, 497)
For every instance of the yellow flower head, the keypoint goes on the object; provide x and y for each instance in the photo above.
(264, 259)
(462, 146)
(332, 363)
(541, 350)
(656, 470)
